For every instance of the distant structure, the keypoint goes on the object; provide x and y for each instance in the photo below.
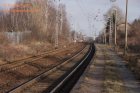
(16, 37)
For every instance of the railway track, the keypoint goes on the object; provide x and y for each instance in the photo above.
(12, 65)
(13, 71)
(55, 79)
(19, 63)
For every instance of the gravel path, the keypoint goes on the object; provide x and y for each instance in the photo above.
(93, 77)
(107, 73)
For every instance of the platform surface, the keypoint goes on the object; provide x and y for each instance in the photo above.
(98, 77)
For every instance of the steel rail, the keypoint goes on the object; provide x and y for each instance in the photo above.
(70, 74)
(22, 86)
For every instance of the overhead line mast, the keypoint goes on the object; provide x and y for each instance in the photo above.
(57, 24)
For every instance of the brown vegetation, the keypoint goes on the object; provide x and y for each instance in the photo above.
(133, 52)
(133, 30)
(38, 28)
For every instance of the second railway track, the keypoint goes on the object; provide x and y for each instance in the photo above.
(19, 72)
(17, 64)
(51, 81)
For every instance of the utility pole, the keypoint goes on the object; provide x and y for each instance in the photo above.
(57, 27)
(61, 19)
(126, 33)
(115, 28)
(115, 37)
(103, 39)
(56, 32)
(105, 36)
(93, 33)
(110, 32)
(47, 15)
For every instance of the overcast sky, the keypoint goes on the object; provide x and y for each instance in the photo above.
(79, 11)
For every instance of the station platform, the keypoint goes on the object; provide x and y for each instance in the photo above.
(107, 73)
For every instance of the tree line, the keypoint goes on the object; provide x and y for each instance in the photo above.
(38, 17)
(133, 30)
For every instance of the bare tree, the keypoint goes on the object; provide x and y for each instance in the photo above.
(120, 15)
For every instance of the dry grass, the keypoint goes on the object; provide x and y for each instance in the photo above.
(132, 61)
(11, 52)
(134, 65)
(112, 82)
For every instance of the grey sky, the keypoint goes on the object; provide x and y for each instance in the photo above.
(80, 10)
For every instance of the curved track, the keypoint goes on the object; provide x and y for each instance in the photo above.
(54, 80)
(17, 73)
(19, 63)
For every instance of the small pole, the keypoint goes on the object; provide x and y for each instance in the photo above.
(110, 32)
(56, 32)
(105, 35)
(61, 20)
(126, 33)
(56, 27)
(115, 29)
